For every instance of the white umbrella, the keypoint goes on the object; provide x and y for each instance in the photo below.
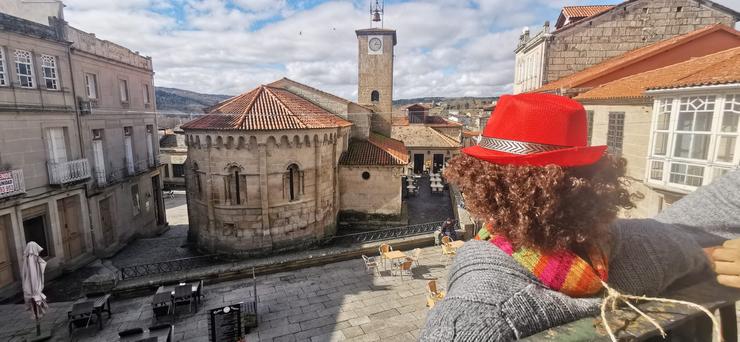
(33, 281)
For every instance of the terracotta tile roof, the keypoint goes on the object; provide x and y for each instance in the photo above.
(580, 12)
(376, 150)
(422, 136)
(718, 68)
(266, 108)
(630, 58)
(585, 11)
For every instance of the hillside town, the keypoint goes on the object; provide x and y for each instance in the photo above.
(290, 212)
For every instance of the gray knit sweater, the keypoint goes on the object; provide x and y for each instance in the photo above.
(492, 298)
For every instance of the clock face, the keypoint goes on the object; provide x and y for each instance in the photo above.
(375, 44)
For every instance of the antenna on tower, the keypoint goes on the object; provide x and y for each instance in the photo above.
(376, 12)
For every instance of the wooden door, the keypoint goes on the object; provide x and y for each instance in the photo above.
(69, 219)
(106, 222)
(6, 268)
(418, 163)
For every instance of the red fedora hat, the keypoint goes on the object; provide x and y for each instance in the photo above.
(537, 130)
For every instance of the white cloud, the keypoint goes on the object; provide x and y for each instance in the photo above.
(446, 47)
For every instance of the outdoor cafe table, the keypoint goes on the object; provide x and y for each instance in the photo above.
(101, 304)
(150, 335)
(171, 289)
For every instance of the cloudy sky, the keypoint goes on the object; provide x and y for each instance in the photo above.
(445, 47)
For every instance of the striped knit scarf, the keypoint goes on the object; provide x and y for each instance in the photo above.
(562, 271)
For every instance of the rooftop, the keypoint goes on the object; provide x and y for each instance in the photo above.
(376, 150)
(266, 108)
(718, 68)
(619, 63)
(422, 136)
(580, 12)
(429, 120)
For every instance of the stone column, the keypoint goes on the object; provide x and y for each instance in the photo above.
(317, 187)
(264, 193)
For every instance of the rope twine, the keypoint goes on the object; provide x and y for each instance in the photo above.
(614, 297)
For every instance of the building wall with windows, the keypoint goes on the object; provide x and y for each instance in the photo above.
(42, 167)
(261, 192)
(625, 129)
(115, 94)
(530, 60)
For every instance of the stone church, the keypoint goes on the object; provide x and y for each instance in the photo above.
(271, 169)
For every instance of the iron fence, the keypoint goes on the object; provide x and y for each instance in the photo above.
(389, 234)
(177, 265)
(186, 264)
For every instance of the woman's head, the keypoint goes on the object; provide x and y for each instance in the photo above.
(543, 207)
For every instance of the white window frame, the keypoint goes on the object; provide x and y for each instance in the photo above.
(713, 168)
(28, 61)
(91, 89)
(123, 90)
(128, 144)
(49, 63)
(3, 69)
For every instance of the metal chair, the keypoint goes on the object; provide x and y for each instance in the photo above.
(161, 304)
(80, 315)
(384, 248)
(415, 256)
(433, 295)
(404, 268)
(370, 264)
(447, 252)
(183, 294)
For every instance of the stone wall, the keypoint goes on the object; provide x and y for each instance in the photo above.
(379, 194)
(375, 73)
(637, 126)
(626, 27)
(266, 220)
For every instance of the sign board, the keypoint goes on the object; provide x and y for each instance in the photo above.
(6, 182)
(226, 324)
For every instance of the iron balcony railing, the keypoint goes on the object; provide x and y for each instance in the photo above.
(103, 178)
(176, 265)
(68, 172)
(11, 183)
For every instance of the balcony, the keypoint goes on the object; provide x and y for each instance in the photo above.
(68, 172)
(104, 179)
(11, 183)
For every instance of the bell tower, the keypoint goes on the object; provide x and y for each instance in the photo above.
(375, 69)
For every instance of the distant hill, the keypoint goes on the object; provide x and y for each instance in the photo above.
(173, 100)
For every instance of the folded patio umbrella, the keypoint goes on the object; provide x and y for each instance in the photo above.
(33, 281)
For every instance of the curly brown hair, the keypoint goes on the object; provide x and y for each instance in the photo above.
(546, 208)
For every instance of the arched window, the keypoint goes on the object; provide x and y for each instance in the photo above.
(235, 185)
(293, 181)
(375, 96)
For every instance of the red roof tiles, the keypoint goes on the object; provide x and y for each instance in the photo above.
(376, 150)
(619, 63)
(718, 68)
(266, 108)
(576, 13)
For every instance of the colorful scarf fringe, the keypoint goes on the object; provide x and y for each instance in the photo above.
(562, 271)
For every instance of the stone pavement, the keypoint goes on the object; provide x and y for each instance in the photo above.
(337, 301)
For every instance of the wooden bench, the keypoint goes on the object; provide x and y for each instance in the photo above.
(681, 322)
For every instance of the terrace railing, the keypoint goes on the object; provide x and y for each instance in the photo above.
(68, 172)
(389, 234)
(11, 183)
(176, 265)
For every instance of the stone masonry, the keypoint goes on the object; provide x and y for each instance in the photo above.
(626, 27)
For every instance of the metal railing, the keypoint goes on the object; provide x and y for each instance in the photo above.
(11, 183)
(177, 265)
(388, 234)
(103, 179)
(68, 172)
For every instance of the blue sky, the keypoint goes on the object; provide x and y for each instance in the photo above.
(445, 47)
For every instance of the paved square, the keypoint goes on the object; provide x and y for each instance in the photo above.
(334, 302)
